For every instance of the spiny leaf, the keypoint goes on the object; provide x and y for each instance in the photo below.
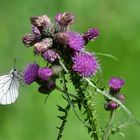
(61, 108)
(63, 118)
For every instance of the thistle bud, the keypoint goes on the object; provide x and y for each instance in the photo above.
(48, 30)
(40, 20)
(110, 106)
(50, 55)
(64, 19)
(91, 34)
(35, 31)
(120, 97)
(57, 69)
(42, 46)
(115, 85)
(61, 38)
(29, 39)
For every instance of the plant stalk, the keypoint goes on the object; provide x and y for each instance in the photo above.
(109, 126)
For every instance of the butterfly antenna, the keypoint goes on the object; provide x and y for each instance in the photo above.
(15, 63)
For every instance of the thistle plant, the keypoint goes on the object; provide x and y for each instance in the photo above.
(67, 61)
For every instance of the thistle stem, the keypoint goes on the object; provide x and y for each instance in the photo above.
(112, 98)
(109, 126)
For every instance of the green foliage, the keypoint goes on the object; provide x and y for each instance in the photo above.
(63, 118)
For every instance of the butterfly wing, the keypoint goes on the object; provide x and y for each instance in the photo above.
(9, 86)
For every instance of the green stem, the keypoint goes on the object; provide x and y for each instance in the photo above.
(112, 98)
(109, 126)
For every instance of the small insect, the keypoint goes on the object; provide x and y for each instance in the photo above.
(9, 87)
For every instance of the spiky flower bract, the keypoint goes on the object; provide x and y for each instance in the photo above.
(40, 20)
(50, 55)
(29, 39)
(64, 19)
(30, 73)
(85, 64)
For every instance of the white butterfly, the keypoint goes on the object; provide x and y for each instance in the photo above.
(9, 87)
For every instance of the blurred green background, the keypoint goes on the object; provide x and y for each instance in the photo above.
(119, 24)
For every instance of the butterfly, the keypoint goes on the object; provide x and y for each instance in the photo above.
(9, 87)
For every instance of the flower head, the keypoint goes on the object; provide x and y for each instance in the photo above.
(85, 64)
(45, 73)
(29, 39)
(116, 83)
(61, 38)
(75, 41)
(42, 46)
(111, 105)
(50, 55)
(40, 20)
(30, 73)
(64, 19)
(92, 33)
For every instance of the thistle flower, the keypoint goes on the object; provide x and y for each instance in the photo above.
(116, 83)
(40, 20)
(85, 64)
(42, 46)
(50, 55)
(30, 73)
(75, 41)
(64, 19)
(29, 39)
(92, 33)
(45, 73)
(110, 105)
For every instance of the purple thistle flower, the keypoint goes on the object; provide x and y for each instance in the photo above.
(45, 73)
(30, 73)
(75, 41)
(92, 33)
(64, 19)
(111, 105)
(116, 83)
(50, 55)
(85, 64)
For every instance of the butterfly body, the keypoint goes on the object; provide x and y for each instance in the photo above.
(9, 87)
